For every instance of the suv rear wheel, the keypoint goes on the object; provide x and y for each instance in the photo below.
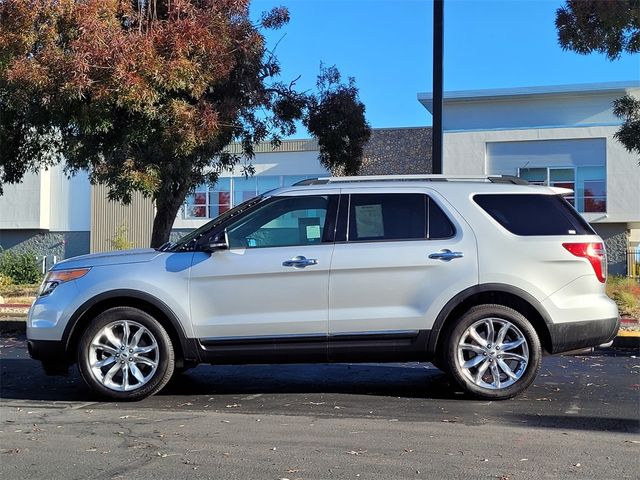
(493, 352)
(125, 354)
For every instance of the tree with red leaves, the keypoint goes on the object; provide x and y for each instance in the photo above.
(145, 95)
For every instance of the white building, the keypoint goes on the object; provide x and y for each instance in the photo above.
(561, 135)
(557, 135)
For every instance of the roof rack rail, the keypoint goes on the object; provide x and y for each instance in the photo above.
(508, 179)
(415, 178)
(311, 181)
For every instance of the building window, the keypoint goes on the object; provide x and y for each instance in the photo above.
(220, 197)
(588, 184)
(228, 192)
(197, 204)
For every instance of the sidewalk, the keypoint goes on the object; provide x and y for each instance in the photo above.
(13, 320)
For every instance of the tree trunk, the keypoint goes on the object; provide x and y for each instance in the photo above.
(167, 206)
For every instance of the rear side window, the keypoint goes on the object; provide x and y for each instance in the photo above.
(534, 214)
(387, 216)
(396, 216)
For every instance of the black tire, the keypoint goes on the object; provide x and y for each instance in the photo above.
(163, 356)
(464, 376)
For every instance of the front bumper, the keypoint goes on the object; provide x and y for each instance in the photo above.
(52, 355)
(47, 351)
(575, 335)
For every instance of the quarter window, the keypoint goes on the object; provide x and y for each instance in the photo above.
(439, 225)
(534, 214)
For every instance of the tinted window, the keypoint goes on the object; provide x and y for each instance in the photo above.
(439, 224)
(534, 214)
(285, 221)
(387, 216)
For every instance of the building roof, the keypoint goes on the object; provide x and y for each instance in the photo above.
(622, 88)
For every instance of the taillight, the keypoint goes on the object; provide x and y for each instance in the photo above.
(595, 253)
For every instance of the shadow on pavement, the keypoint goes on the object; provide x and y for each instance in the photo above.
(578, 422)
(397, 380)
(24, 379)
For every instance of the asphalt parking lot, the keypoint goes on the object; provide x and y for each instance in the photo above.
(581, 419)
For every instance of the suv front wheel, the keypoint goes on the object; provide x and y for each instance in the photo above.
(493, 352)
(125, 354)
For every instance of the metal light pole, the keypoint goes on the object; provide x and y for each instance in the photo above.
(438, 48)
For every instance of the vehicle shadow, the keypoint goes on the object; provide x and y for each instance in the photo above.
(579, 422)
(24, 379)
(413, 380)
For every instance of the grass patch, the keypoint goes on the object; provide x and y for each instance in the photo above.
(625, 291)
(28, 290)
(19, 293)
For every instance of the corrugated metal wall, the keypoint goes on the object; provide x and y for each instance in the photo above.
(309, 145)
(108, 217)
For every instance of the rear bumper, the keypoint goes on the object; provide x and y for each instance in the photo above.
(574, 335)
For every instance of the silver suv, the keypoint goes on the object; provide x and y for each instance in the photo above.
(478, 275)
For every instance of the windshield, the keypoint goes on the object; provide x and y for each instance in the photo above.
(189, 240)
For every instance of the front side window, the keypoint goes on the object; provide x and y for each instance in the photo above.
(283, 222)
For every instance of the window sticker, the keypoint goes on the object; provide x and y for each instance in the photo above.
(313, 232)
(369, 222)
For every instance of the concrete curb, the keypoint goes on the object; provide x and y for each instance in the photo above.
(627, 339)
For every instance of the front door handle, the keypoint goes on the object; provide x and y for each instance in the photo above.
(299, 262)
(446, 255)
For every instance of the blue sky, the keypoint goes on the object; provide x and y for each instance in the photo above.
(387, 46)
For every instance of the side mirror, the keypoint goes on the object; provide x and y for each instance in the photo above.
(217, 242)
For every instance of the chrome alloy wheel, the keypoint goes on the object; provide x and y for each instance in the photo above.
(493, 353)
(124, 355)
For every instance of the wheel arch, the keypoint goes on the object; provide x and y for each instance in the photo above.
(492, 293)
(185, 348)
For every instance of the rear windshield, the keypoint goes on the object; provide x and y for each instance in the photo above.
(534, 214)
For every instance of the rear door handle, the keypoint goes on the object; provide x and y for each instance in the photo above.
(299, 262)
(446, 255)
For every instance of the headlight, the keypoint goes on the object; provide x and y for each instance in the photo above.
(56, 277)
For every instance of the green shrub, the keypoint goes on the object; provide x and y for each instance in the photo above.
(120, 241)
(21, 268)
(625, 292)
(5, 281)
(27, 290)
